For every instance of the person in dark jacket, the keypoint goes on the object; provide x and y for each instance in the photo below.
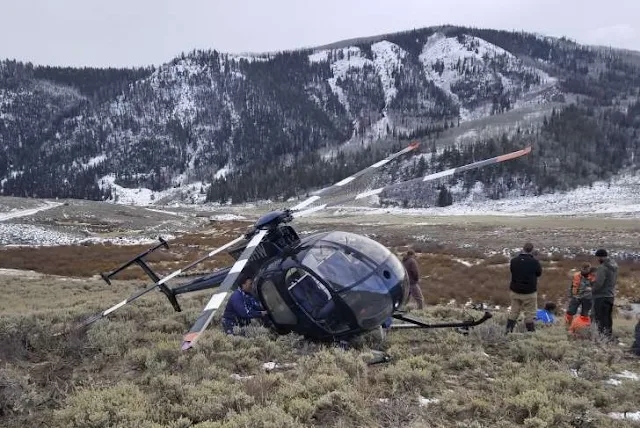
(241, 308)
(411, 266)
(604, 290)
(525, 270)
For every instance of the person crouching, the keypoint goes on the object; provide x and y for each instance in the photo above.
(241, 308)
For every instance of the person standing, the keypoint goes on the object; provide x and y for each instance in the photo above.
(411, 266)
(525, 270)
(581, 294)
(604, 289)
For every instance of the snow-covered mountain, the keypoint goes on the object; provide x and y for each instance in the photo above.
(208, 117)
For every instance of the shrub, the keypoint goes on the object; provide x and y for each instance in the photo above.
(121, 405)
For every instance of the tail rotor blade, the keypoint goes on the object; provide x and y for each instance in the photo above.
(218, 298)
(310, 200)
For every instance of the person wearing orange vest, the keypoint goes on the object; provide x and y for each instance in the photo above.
(580, 294)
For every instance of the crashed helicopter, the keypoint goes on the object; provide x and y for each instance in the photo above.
(326, 286)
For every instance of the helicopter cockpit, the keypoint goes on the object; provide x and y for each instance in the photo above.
(335, 284)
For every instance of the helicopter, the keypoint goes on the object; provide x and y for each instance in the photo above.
(327, 286)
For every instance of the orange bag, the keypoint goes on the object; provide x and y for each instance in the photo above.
(579, 323)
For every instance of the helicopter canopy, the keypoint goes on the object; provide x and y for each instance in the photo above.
(359, 271)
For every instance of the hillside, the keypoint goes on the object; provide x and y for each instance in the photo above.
(241, 128)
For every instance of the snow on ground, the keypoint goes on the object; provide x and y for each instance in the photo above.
(448, 51)
(91, 162)
(30, 235)
(145, 197)
(387, 59)
(226, 217)
(222, 172)
(23, 213)
(624, 375)
(632, 416)
(620, 198)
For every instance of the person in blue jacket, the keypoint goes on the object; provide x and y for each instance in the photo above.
(546, 315)
(242, 307)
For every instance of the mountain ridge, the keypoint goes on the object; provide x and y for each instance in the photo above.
(249, 127)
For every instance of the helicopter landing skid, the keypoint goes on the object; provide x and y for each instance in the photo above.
(412, 322)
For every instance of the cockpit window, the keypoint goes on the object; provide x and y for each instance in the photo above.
(310, 294)
(378, 252)
(337, 265)
(370, 302)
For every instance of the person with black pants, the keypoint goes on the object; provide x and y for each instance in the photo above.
(604, 289)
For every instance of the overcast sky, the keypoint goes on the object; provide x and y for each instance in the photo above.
(143, 32)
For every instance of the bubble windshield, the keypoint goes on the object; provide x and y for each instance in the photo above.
(360, 270)
(334, 259)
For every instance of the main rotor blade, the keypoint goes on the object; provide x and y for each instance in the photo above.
(428, 177)
(349, 179)
(140, 293)
(218, 298)
(451, 171)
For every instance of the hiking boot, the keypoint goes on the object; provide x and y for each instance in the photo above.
(510, 325)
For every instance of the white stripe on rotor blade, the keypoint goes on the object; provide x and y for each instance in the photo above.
(306, 202)
(309, 211)
(256, 239)
(370, 193)
(238, 266)
(380, 163)
(439, 174)
(168, 277)
(225, 246)
(113, 308)
(345, 181)
(215, 301)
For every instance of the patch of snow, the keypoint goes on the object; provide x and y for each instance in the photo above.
(620, 197)
(250, 57)
(628, 375)
(426, 401)
(387, 59)
(320, 56)
(145, 197)
(27, 235)
(23, 213)
(96, 160)
(166, 212)
(449, 52)
(465, 262)
(632, 416)
(226, 217)
(222, 172)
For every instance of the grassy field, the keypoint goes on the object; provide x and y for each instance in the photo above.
(128, 370)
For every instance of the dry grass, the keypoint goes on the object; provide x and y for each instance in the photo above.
(127, 370)
(89, 260)
(445, 275)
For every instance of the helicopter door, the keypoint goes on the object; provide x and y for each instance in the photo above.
(310, 294)
(277, 306)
